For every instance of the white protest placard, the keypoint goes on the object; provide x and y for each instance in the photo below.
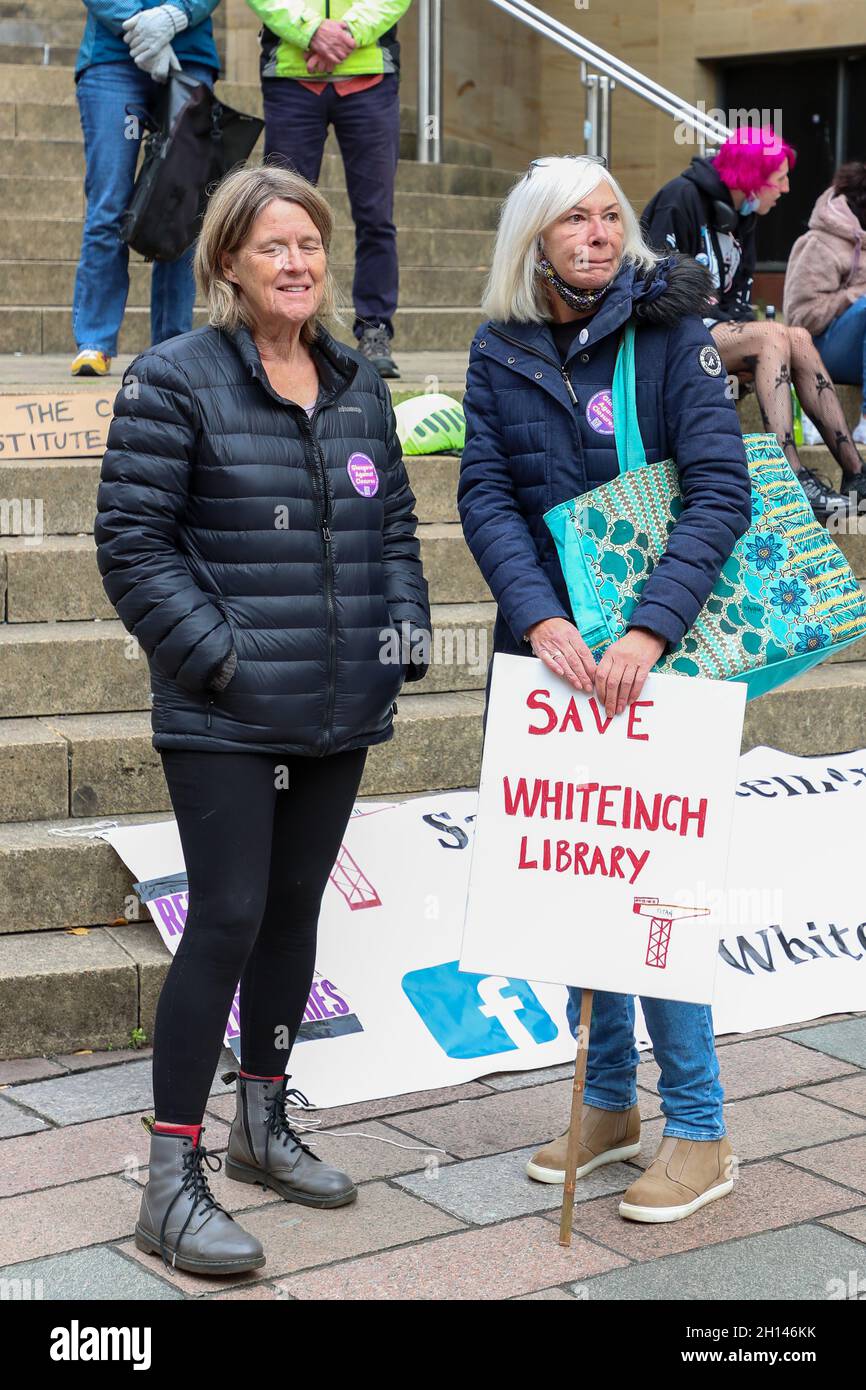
(601, 844)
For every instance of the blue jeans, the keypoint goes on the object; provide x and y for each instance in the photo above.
(367, 126)
(684, 1048)
(102, 277)
(842, 346)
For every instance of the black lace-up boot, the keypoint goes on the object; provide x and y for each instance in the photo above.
(264, 1149)
(375, 344)
(181, 1220)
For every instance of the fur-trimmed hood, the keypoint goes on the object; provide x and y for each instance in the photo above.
(676, 286)
(660, 297)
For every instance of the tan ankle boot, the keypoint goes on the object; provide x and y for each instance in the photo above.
(684, 1175)
(606, 1136)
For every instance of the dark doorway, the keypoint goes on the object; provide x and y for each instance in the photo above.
(823, 115)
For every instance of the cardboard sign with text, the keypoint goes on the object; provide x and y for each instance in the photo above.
(601, 844)
(46, 424)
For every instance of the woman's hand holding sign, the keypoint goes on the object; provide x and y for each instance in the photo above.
(560, 646)
(619, 677)
(625, 666)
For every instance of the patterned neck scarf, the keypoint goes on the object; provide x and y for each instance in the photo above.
(575, 298)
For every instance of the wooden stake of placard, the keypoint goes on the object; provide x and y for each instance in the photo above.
(576, 1113)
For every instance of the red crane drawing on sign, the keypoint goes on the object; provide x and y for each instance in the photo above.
(661, 916)
(349, 880)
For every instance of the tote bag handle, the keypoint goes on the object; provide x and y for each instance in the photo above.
(629, 445)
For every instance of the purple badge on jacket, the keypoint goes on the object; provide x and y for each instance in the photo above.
(362, 471)
(599, 412)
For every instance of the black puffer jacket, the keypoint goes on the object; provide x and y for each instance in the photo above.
(227, 519)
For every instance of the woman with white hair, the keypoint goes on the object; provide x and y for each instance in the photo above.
(570, 269)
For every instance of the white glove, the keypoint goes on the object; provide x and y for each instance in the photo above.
(150, 30)
(158, 67)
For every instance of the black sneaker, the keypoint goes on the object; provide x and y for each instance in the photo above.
(375, 344)
(825, 503)
(855, 483)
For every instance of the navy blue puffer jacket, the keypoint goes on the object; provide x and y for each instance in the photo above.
(228, 519)
(539, 433)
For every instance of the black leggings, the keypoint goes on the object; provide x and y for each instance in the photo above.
(258, 854)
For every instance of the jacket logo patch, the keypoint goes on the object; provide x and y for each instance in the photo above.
(599, 412)
(363, 475)
(710, 361)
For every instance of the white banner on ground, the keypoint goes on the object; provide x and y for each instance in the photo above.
(602, 841)
(793, 946)
(389, 1012)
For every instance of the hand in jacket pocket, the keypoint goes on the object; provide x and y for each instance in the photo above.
(224, 672)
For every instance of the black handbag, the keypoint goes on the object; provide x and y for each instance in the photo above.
(192, 140)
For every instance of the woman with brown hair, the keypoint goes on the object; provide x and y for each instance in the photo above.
(256, 534)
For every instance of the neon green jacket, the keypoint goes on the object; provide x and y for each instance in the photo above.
(289, 26)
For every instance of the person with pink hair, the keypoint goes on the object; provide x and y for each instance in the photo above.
(710, 212)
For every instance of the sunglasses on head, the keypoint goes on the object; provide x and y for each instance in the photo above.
(545, 160)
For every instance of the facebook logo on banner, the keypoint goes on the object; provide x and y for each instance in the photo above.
(477, 1015)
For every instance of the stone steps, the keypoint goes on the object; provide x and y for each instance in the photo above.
(88, 765)
(32, 26)
(25, 330)
(42, 202)
(57, 580)
(67, 489)
(39, 102)
(54, 55)
(83, 765)
(29, 120)
(31, 283)
(58, 239)
(84, 883)
(36, 195)
(24, 157)
(80, 667)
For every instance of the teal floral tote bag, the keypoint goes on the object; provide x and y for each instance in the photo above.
(786, 599)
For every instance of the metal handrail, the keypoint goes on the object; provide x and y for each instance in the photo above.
(608, 70)
(428, 140)
(614, 67)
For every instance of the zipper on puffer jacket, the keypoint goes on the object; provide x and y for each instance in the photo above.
(307, 423)
(560, 366)
(328, 558)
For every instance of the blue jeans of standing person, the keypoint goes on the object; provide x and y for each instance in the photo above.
(367, 126)
(842, 346)
(683, 1046)
(111, 143)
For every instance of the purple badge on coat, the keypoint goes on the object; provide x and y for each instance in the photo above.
(362, 471)
(599, 412)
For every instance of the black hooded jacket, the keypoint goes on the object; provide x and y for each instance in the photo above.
(694, 214)
(229, 521)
